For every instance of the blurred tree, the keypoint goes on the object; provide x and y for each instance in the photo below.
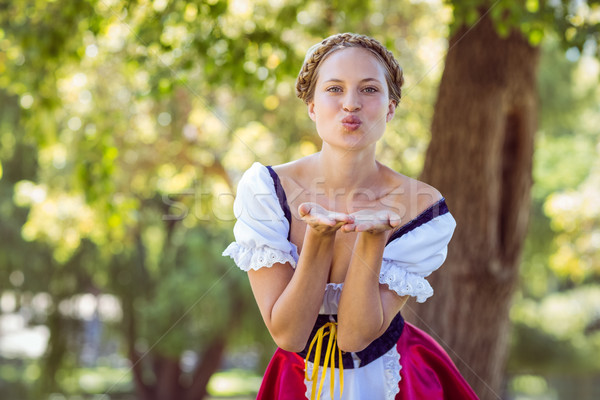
(480, 157)
(559, 302)
(557, 306)
(140, 117)
(126, 124)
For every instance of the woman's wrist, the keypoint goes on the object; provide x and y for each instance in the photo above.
(320, 234)
(372, 237)
(368, 250)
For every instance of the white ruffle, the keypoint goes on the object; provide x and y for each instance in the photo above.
(403, 282)
(261, 228)
(392, 367)
(253, 258)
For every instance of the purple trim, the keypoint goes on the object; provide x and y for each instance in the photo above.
(435, 210)
(376, 349)
(281, 196)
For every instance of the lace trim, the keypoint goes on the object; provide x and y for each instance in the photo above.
(403, 282)
(334, 286)
(392, 367)
(307, 384)
(247, 258)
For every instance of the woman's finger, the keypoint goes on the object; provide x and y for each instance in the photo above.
(349, 227)
(393, 219)
(305, 209)
(340, 217)
(320, 220)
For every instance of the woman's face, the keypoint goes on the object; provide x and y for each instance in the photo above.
(351, 104)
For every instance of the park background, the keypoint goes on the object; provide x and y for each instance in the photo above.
(125, 126)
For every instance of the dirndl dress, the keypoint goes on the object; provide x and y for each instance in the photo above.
(404, 363)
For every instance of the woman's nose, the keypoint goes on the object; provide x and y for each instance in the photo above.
(351, 102)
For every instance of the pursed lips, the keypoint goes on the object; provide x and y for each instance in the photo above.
(351, 122)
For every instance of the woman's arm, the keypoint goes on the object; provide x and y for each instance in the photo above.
(289, 301)
(367, 307)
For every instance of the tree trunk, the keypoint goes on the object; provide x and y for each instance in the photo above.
(56, 350)
(480, 158)
(167, 378)
(211, 362)
(143, 390)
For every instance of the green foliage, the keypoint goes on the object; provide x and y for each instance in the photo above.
(125, 126)
(576, 22)
(553, 336)
(566, 159)
(556, 317)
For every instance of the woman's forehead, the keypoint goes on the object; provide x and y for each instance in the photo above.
(351, 63)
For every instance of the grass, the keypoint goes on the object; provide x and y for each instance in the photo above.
(17, 378)
(234, 382)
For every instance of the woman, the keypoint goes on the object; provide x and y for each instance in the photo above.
(335, 242)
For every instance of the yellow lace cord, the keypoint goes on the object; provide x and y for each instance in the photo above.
(330, 329)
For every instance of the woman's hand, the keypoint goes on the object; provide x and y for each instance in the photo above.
(372, 221)
(323, 221)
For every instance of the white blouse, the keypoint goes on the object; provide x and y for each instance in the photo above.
(261, 240)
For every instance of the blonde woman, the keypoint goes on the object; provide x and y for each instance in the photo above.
(335, 242)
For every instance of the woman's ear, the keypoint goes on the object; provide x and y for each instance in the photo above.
(391, 110)
(311, 111)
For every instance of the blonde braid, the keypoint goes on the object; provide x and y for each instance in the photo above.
(307, 78)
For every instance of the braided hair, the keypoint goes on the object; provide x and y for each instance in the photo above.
(307, 78)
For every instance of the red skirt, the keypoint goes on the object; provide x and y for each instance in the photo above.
(427, 372)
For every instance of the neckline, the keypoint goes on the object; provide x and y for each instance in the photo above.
(435, 210)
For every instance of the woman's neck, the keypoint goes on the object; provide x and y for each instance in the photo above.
(347, 170)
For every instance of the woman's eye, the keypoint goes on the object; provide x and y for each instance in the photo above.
(334, 89)
(370, 89)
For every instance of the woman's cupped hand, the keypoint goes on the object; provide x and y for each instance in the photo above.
(328, 222)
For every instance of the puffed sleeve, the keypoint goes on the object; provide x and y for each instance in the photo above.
(261, 229)
(419, 250)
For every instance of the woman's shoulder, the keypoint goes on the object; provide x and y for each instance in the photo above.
(294, 167)
(296, 172)
(426, 225)
(409, 195)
